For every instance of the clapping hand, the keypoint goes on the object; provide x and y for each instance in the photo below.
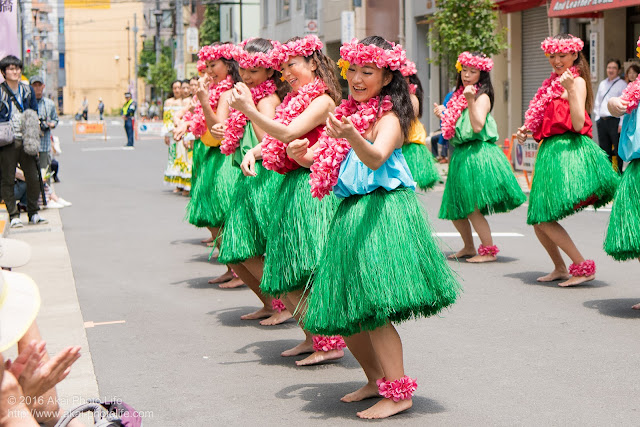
(340, 128)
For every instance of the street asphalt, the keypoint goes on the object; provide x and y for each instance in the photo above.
(511, 352)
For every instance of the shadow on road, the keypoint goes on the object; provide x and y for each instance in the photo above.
(231, 317)
(324, 401)
(203, 283)
(195, 242)
(530, 278)
(268, 353)
(501, 259)
(620, 307)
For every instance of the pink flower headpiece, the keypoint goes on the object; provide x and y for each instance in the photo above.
(638, 48)
(255, 59)
(215, 52)
(482, 63)
(355, 52)
(201, 65)
(551, 45)
(303, 47)
(408, 68)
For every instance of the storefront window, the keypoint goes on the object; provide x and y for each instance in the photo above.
(284, 10)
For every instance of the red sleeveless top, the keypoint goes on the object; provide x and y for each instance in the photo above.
(557, 120)
(312, 136)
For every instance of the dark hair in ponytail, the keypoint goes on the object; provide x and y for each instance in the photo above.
(259, 44)
(397, 89)
(484, 82)
(415, 80)
(325, 71)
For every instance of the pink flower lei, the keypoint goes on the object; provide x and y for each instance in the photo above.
(480, 62)
(355, 52)
(631, 93)
(331, 151)
(254, 59)
(550, 89)
(454, 108)
(216, 51)
(408, 68)
(236, 121)
(197, 121)
(303, 47)
(274, 152)
(552, 45)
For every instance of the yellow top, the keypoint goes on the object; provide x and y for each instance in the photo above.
(417, 133)
(208, 140)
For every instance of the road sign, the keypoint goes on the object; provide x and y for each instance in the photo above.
(348, 24)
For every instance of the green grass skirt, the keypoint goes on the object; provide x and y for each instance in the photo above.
(422, 165)
(211, 198)
(571, 173)
(480, 177)
(297, 234)
(623, 235)
(381, 263)
(249, 217)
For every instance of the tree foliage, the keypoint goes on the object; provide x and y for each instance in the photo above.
(33, 69)
(210, 28)
(465, 25)
(162, 75)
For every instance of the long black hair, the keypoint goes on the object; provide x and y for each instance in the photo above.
(415, 80)
(484, 82)
(259, 44)
(397, 89)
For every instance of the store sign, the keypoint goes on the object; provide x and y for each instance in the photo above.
(192, 40)
(348, 21)
(561, 8)
(526, 153)
(593, 56)
(8, 29)
(310, 26)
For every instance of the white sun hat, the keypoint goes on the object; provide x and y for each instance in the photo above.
(14, 253)
(19, 305)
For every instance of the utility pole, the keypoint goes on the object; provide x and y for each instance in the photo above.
(128, 55)
(179, 64)
(135, 62)
(158, 14)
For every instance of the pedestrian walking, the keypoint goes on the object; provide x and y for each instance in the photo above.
(572, 172)
(128, 113)
(480, 180)
(48, 121)
(17, 97)
(608, 125)
(100, 109)
(85, 108)
(381, 264)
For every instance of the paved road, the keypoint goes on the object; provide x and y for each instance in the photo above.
(511, 352)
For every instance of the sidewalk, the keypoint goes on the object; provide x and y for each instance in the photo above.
(60, 319)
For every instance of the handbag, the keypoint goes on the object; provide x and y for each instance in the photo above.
(6, 130)
(629, 145)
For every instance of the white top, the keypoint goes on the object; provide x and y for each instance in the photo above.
(607, 90)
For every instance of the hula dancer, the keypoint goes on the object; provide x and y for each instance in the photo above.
(623, 234)
(244, 238)
(300, 222)
(380, 264)
(480, 180)
(420, 161)
(572, 171)
(171, 106)
(215, 179)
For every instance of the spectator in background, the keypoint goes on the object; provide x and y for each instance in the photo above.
(48, 120)
(85, 108)
(100, 108)
(19, 96)
(632, 73)
(607, 125)
(437, 139)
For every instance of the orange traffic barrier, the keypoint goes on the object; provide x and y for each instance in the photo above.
(88, 128)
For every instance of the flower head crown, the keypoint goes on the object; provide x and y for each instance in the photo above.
(552, 45)
(215, 52)
(255, 59)
(201, 65)
(355, 52)
(468, 59)
(302, 47)
(408, 68)
(638, 48)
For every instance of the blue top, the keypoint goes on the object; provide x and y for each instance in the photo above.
(441, 139)
(629, 146)
(355, 178)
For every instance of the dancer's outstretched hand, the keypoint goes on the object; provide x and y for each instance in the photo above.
(340, 128)
(241, 98)
(438, 110)
(217, 131)
(248, 164)
(297, 149)
(617, 106)
(521, 135)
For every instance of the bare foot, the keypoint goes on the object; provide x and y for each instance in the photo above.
(276, 318)
(385, 408)
(236, 282)
(555, 275)
(321, 356)
(209, 240)
(259, 314)
(177, 190)
(185, 192)
(463, 253)
(636, 307)
(221, 279)
(576, 280)
(211, 244)
(302, 348)
(482, 258)
(367, 391)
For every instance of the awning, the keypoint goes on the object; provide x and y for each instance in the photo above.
(508, 6)
(566, 8)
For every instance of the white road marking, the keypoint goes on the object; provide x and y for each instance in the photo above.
(106, 149)
(91, 324)
(456, 234)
